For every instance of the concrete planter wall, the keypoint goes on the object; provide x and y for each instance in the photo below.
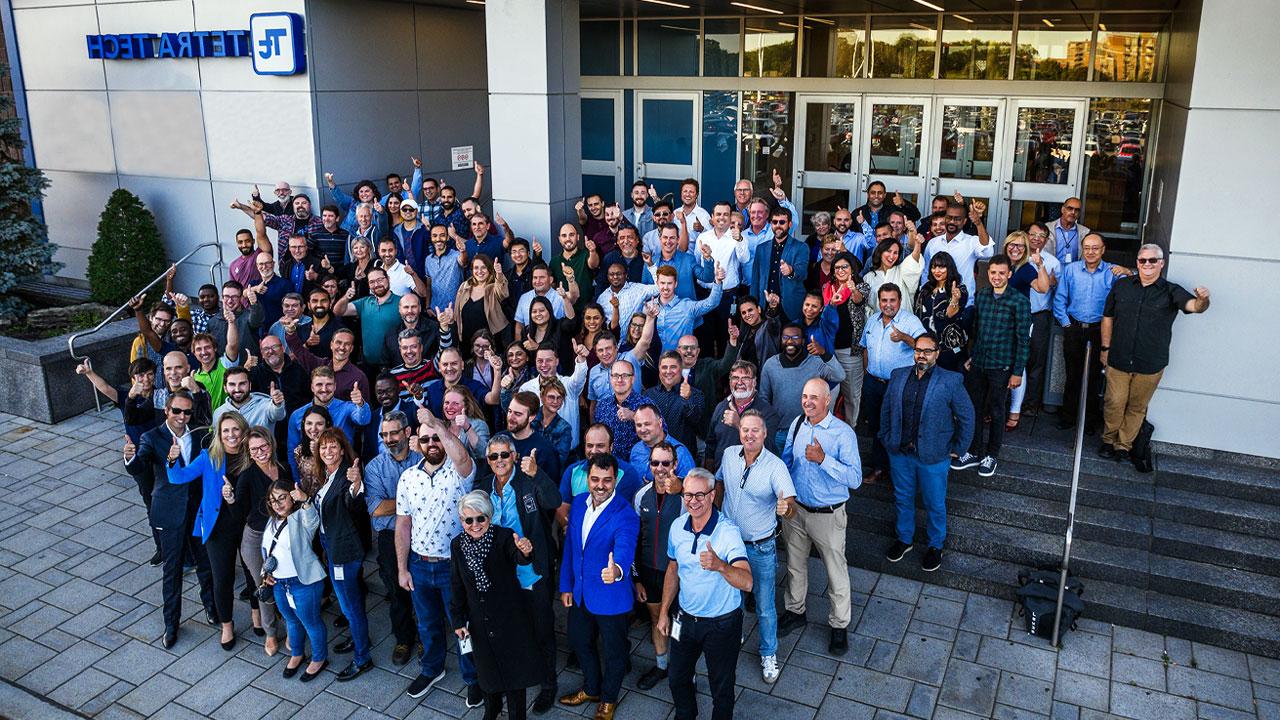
(38, 377)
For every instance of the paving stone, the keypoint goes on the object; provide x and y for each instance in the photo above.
(1137, 642)
(374, 688)
(20, 590)
(1264, 670)
(1086, 653)
(38, 563)
(898, 588)
(155, 693)
(1179, 651)
(966, 646)
(1064, 711)
(248, 704)
(922, 702)
(969, 687)
(882, 656)
(1142, 704)
(296, 692)
(135, 661)
(885, 619)
(872, 688)
(941, 632)
(940, 611)
(1219, 660)
(1210, 687)
(77, 595)
(986, 616)
(800, 685)
(1134, 670)
(1083, 690)
(946, 713)
(817, 663)
(44, 619)
(1268, 710)
(1020, 691)
(106, 698)
(18, 656)
(923, 659)
(838, 708)
(57, 640)
(48, 675)
(85, 686)
(219, 685)
(1018, 658)
(1215, 712)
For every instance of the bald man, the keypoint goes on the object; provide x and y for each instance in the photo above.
(574, 264)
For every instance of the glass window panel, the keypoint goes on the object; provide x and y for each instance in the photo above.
(667, 189)
(719, 138)
(828, 136)
(1127, 47)
(835, 48)
(602, 185)
(903, 46)
(668, 131)
(668, 47)
(976, 48)
(721, 46)
(1042, 152)
(817, 200)
(770, 48)
(597, 129)
(1116, 144)
(1060, 52)
(1024, 212)
(766, 134)
(895, 138)
(598, 52)
(968, 139)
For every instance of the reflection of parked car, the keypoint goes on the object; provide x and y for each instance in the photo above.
(1129, 150)
(1091, 147)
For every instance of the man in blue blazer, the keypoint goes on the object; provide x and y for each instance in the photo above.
(786, 277)
(599, 545)
(173, 507)
(926, 416)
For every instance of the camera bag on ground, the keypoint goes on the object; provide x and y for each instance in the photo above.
(1037, 597)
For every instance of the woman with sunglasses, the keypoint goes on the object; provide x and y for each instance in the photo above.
(488, 606)
(291, 568)
(940, 305)
(340, 498)
(217, 523)
(259, 470)
(658, 504)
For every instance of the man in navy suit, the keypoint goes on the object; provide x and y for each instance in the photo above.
(780, 267)
(173, 507)
(599, 545)
(926, 416)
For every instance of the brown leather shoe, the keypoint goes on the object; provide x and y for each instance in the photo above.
(604, 711)
(578, 698)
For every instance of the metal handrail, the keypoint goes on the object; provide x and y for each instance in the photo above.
(213, 277)
(1075, 488)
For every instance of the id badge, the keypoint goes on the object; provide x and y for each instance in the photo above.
(289, 596)
(675, 627)
(464, 645)
(338, 573)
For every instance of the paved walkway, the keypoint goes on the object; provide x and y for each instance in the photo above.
(80, 627)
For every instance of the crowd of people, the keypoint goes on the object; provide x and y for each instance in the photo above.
(626, 422)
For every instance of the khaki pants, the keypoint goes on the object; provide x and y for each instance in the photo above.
(1125, 406)
(827, 531)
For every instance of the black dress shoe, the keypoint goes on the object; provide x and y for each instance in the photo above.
(291, 671)
(155, 560)
(1107, 451)
(170, 639)
(651, 678)
(1090, 429)
(839, 644)
(546, 698)
(1065, 423)
(353, 671)
(789, 621)
(211, 618)
(229, 644)
(1123, 455)
(260, 632)
(309, 676)
(340, 621)
(345, 646)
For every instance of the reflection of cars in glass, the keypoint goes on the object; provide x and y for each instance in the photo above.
(1091, 147)
(1129, 150)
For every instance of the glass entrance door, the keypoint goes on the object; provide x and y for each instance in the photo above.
(601, 112)
(826, 158)
(968, 153)
(668, 138)
(1046, 139)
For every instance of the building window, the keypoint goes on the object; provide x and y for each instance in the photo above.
(903, 46)
(1117, 141)
(721, 47)
(835, 48)
(976, 48)
(1127, 47)
(668, 47)
(598, 43)
(719, 140)
(766, 136)
(1056, 50)
(770, 49)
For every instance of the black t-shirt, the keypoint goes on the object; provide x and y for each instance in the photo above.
(1142, 323)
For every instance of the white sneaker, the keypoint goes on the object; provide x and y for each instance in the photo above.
(769, 668)
(987, 467)
(964, 462)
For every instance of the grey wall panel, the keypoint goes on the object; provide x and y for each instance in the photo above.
(184, 212)
(452, 118)
(366, 134)
(451, 49)
(72, 206)
(54, 55)
(71, 130)
(159, 134)
(365, 45)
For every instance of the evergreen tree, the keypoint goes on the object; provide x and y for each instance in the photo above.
(25, 250)
(128, 251)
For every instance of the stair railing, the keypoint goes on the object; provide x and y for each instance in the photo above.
(1075, 488)
(213, 278)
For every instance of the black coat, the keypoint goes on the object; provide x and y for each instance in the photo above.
(171, 505)
(504, 648)
(338, 517)
(537, 499)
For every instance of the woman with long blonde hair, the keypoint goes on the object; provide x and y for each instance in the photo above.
(479, 304)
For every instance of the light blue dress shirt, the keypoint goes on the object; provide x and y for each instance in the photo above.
(884, 355)
(1082, 294)
(828, 482)
(680, 316)
(446, 277)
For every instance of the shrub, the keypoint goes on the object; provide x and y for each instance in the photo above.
(128, 251)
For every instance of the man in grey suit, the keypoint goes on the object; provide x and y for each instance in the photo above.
(926, 416)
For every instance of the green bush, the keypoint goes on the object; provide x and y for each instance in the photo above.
(25, 250)
(128, 251)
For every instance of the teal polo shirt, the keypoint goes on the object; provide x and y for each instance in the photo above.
(704, 593)
(376, 322)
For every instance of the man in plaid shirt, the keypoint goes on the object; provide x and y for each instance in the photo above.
(1001, 343)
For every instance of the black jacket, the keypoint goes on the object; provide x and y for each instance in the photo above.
(339, 522)
(537, 498)
(171, 505)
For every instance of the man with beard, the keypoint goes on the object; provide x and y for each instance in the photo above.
(402, 278)
(780, 267)
(379, 312)
(330, 241)
(606, 238)
(443, 266)
(213, 368)
(411, 318)
(727, 416)
(341, 346)
(875, 211)
(299, 222)
(591, 216)
(628, 255)
(414, 371)
(388, 399)
(347, 416)
(706, 373)
(287, 375)
(651, 429)
(639, 215)
(451, 214)
(679, 402)
(788, 370)
(283, 193)
(242, 269)
(622, 298)
(927, 416)
(526, 440)
(256, 408)
(887, 344)
(571, 267)
(381, 480)
(318, 334)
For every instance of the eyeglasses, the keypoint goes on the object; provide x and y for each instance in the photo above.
(661, 463)
(621, 376)
(926, 351)
(1038, 235)
(259, 449)
(696, 496)
(1149, 261)
(845, 268)
(790, 338)
(779, 222)
(278, 500)
(475, 520)
(1070, 208)
(500, 455)
(181, 411)
(686, 348)
(430, 439)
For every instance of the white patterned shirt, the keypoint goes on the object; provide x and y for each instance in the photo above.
(430, 500)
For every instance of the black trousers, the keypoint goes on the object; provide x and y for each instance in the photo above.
(515, 705)
(989, 391)
(222, 550)
(544, 629)
(175, 543)
(399, 603)
(584, 628)
(1074, 338)
(1038, 359)
(873, 390)
(719, 639)
(146, 484)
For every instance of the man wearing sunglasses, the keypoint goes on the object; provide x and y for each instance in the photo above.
(173, 506)
(426, 522)
(781, 267)
(523, 497)
(658, 505)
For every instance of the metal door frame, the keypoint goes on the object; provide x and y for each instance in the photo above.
(604, 167)
(802, 178)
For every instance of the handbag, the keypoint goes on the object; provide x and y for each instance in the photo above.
(1037, 598)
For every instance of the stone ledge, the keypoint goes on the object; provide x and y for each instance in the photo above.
(38, 378)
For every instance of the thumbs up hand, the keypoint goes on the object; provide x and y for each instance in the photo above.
(175, 450)
(129, 449)
(709, 560)
(355, 478)
(228, 493)
(611, 572)
(783, 508)
(529, 464)
(813, 451)
(524, 546)
(685, 388)
(277, 397)
(357, 397)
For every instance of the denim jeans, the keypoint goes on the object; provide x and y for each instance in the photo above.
(909, 474)
(431, 591)
(763, 559)
(303, 616)
(351, 601)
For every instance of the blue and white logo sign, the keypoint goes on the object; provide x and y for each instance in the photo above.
(277, 43)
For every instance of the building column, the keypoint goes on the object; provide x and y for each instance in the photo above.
(534, 127)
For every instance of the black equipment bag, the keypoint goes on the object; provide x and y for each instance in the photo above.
(1141, 453)
(1037, 597)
